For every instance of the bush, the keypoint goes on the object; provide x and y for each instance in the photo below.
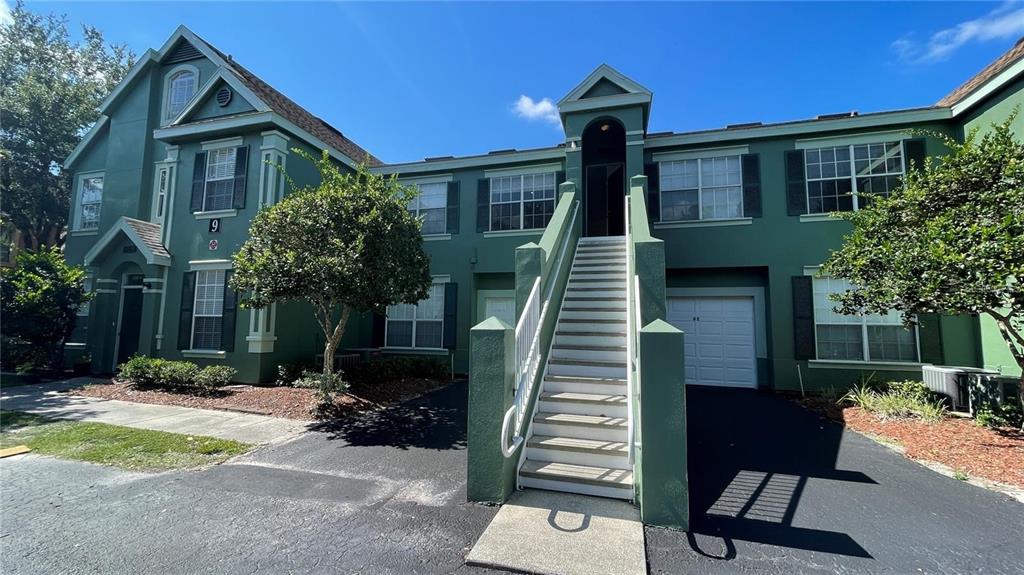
(1005, 415)
(290, 373)
(898, 400)
(327, 386)
(178, 375)
(389, 369)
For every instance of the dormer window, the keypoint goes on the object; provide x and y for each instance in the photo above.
(181, 84)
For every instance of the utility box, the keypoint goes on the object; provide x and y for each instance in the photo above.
(966, 387)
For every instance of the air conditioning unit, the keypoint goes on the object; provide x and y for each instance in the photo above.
(961, 385)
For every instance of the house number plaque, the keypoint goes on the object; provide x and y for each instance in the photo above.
(215, 226)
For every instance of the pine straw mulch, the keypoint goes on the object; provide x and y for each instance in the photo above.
(288, 402)
(956, 442)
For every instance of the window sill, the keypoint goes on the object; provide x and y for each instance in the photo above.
(876, 365)
(818, 218)
(415, 350)
(504, 233)
(215, 214)
(704, 223)
(84, 232)
(436, 237)
(204, 353)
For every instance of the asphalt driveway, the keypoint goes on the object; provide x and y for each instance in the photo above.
(775, 489)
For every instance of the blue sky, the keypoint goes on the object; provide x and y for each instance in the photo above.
(408, 81)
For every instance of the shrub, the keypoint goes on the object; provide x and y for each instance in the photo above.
(1005, 415)
(289, 373)
(327, 386)
(897, 400)
(390, 369)
(178, 374)
(141, 370)
(214, 376)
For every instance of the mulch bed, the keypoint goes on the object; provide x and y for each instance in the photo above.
(959, 443)
(289, 402)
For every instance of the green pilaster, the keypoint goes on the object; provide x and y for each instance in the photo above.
(490, 475)
(664, 491)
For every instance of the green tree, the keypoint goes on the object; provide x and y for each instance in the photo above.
(347, 245)
(39, 301)
(50, 91)
(950, 242)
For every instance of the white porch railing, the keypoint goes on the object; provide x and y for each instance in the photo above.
(632, 327)
(528, 348)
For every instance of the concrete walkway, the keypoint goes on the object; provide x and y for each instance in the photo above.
(48, 399)
(563, 534)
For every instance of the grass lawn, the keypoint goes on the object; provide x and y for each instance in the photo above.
(125, 447)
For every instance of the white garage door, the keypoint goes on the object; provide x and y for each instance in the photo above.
(719, 340)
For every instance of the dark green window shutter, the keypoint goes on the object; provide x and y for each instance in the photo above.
(452, 225)
(188, 296)
(559, 180)
(241, 163)
(227, 320)
(803, 318)
(198, 182)
(451, 306)
(483, 205)
(796, 186)
(751, 164)
(653, 191)
(915, 153)
(377, 333)
(930, 334)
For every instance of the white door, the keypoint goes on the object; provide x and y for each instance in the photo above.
(503, 308)
(719, 339)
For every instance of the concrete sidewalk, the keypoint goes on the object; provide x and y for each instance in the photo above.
(48, 399)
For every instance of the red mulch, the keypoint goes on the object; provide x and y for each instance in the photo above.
(289, 402)
(959, 443)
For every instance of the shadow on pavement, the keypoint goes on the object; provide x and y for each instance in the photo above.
(436, 420)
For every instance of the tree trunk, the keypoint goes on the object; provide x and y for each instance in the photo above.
(333, 338)
(1012, 338)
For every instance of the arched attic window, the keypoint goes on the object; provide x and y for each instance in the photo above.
(180, 85)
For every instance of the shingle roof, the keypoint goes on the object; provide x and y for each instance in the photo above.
(296, 114)
(987, 73)
(149, 233)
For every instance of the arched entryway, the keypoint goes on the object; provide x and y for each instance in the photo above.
(604, 177)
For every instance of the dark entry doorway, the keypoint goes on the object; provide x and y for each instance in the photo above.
(130, 320)
(604, 178)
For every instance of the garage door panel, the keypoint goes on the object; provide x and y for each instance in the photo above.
(719, 347)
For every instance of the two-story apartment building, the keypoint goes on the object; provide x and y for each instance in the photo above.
(180, 160)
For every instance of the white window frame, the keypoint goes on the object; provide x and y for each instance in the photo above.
(865, 343)
(79, 183)
(167, 114)
(700, 186)
(522, 201)
(195, 305)
(387, 322)
(207, 179)
(415, 207)
(162, 182)
(855, 192)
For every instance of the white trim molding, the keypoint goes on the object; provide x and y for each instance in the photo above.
(700, 154)
(852, 139)
(204, 353)
(523, 170)
(198, 265)
(229, 213)
(165, 99)
(505, 233)
(234, 142)
(864, 365)
(723, 222)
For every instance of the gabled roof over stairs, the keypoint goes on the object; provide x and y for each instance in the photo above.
(606, 87)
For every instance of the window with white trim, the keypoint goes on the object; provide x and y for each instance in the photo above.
(160, 190)
(181, 86)
(90, 197)
(419, 325)
(522, 202)
(220, 179)
(431, 205)
(839, 178)
(867, 337)
(208, 309)
(701, 189)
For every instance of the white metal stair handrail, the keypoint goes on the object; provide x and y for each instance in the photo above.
(632, 325)
(527, 358)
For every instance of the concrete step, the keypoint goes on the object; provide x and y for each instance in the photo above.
(587, 277)
(584, 404)
(590, 338)
(592, 350)
(615, 326)
(593, 314)
(609, 454)
(587, 367)
(597, 270)
(618, 257)
(580, 426)
(598, 385)
(595, 263)
(585, 479)
(572, 301)
(589, 240)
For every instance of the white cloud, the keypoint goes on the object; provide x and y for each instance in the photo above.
(543, 109)
(5, 12)
(1005, 22)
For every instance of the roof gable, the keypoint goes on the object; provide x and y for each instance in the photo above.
(606, 87)
(145, 236)
(986, 82)
(240, 94)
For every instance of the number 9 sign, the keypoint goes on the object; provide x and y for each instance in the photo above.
(215, 226)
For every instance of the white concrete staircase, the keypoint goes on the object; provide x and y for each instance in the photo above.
(579, 439)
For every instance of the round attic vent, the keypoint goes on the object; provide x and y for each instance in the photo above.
(223, 96)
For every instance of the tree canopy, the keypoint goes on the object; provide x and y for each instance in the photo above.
(347, 244)
(50, 91)
(951, 241)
